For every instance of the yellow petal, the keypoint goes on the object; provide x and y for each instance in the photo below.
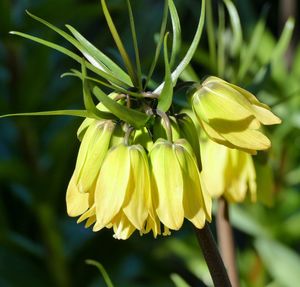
(139, 188)
(97, 149)
(248, 139)
(77, 203)
(111, 185)
(265, 116)
(214, 159)
(122, 227)
(168, 182)
(193, 203)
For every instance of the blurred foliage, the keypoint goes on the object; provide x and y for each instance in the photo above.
(41, 246)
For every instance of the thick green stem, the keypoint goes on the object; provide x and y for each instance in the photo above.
(212, 257)
(226, 241)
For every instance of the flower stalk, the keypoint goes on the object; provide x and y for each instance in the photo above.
(226, 241)
(212, 257)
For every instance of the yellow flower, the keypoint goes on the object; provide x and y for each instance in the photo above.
(92, 151)
(232, 116)
(123, 191)
(177, 187)
(228, 172)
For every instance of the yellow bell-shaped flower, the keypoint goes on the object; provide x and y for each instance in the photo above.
(123, 191)
(178, 191)
(93, 148)
(228, 172)
(232, 116)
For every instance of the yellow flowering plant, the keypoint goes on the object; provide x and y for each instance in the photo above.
(139, 163)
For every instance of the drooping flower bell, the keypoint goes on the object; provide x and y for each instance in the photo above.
(228, 172)
(232, 116)
(178, 189)
(93, 148)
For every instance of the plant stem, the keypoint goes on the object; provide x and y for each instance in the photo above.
(226, 241)
(212, 257)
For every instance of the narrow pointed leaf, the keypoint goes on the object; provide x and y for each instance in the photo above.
(211, 35)
(235, 26)
(74, 113)
(135, 45)
(160, 42)
(88, 100)
(135, 118)
(284, 40)
(166, 96)
(221, 44)
(189, 55)
(102, 270)
(176, 45)
(114, 81)
(119, 43)
(76, 73)
(76, 44)
(106, 63)
(252, 48)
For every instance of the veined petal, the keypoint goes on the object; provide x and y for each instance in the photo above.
(214, 159)
(98, 146)
(139, 188)
(248, 139)
(168, 182)
(193, 202)
(221, 102)
(265, 116)
(77, 203)
(112, 185)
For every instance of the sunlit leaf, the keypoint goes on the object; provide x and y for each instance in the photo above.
(176, 44)
(236, 27)
(135, 118)
(282, 263)
(166, 96)
(119, 43)
(189, 55)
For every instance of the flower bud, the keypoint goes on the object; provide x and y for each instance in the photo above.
(232, 116)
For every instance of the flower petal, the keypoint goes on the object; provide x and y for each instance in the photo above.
(139, 188)
(112, 185)
(168, 183)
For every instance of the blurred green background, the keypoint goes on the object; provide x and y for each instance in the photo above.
(41, 246)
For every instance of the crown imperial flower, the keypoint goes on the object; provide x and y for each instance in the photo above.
(177, 185)
(232, 116)
(234, 169)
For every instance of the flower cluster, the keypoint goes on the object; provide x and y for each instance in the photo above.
(139, 164)
(124, 186)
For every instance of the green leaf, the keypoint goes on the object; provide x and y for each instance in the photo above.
(189, 55)
(282, 263)
(251, 49)
(88, 100)
(119, 43)
(176, 44)
(135, 118)
(76, 73)
(284, 40)
(74, 113)
(211, 35)
(166, 96)
(135, 45)
(106, 75)
(95, 55)
(221, 42)
(160, 42)
(235, 26)
(178, 281)
(102, 270)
